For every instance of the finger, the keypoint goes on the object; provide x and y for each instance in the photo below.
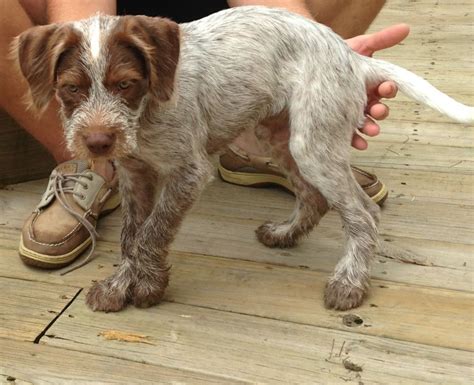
(357, 43)
(379, 111)
(359, 142)
(387, 90)
(387, 37)
(370, 128)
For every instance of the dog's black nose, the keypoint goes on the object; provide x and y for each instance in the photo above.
(99, 143)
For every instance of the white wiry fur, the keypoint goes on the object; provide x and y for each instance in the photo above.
(237, 68)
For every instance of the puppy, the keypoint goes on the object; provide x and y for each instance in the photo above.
(160, 98)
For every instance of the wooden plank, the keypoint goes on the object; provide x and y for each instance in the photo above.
(406, 131)
(430, 15)
(223, 224)
(323, 259)
(404, 109)
(418, 52)
(26, 363)
(320, 253)
(295, 295)
(225, 200)
(256, 349)
(222, 201)
(414, 156)
(27, 308)
(432, 186)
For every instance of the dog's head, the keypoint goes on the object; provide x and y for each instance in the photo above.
(103, 71)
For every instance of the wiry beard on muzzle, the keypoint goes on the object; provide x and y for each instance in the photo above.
(109, 114)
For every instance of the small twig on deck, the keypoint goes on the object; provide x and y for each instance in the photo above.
(342, 347)
(455, 164)
(118, 335)
(390, 150)
(332, 348)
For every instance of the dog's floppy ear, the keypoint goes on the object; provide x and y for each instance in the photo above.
(37, 52)
(158, 41)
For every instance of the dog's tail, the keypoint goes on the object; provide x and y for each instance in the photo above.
(416, 88)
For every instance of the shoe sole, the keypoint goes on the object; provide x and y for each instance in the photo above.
(260, 180)
(253, 179)
(45, 261)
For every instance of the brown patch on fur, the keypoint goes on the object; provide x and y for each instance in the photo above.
(158, 41)
(126, 67)
(38, 68)
(70, 75)
(140, 189)
(277, 135)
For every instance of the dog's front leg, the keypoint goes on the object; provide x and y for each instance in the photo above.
(181, 187)
(142, 277)
(139, 184)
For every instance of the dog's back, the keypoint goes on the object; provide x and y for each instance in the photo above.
(259, 53)
(241, 65)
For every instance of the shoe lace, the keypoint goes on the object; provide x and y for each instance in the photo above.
(61, 187)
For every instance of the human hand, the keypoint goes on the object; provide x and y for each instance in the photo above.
(375, 110)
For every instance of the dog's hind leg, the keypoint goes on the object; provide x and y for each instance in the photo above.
(310, 204)
(319, 144)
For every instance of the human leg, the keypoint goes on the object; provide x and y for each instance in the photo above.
(47, 128)
(346, 18)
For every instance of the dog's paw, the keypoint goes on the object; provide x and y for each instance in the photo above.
(149, 291)
(341, 295)
(107, 295)
(276, 235)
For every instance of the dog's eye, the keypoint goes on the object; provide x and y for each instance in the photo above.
(72, 88)
(124, 84)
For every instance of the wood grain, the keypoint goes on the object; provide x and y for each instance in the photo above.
(257, 349)
(24, 363)
(27, 307)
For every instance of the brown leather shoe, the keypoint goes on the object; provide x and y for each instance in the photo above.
(63, 224)
(238, 167)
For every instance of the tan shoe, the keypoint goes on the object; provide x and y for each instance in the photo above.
(63, 224)
(238, 167)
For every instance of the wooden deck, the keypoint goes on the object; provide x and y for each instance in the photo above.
(237, 312)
